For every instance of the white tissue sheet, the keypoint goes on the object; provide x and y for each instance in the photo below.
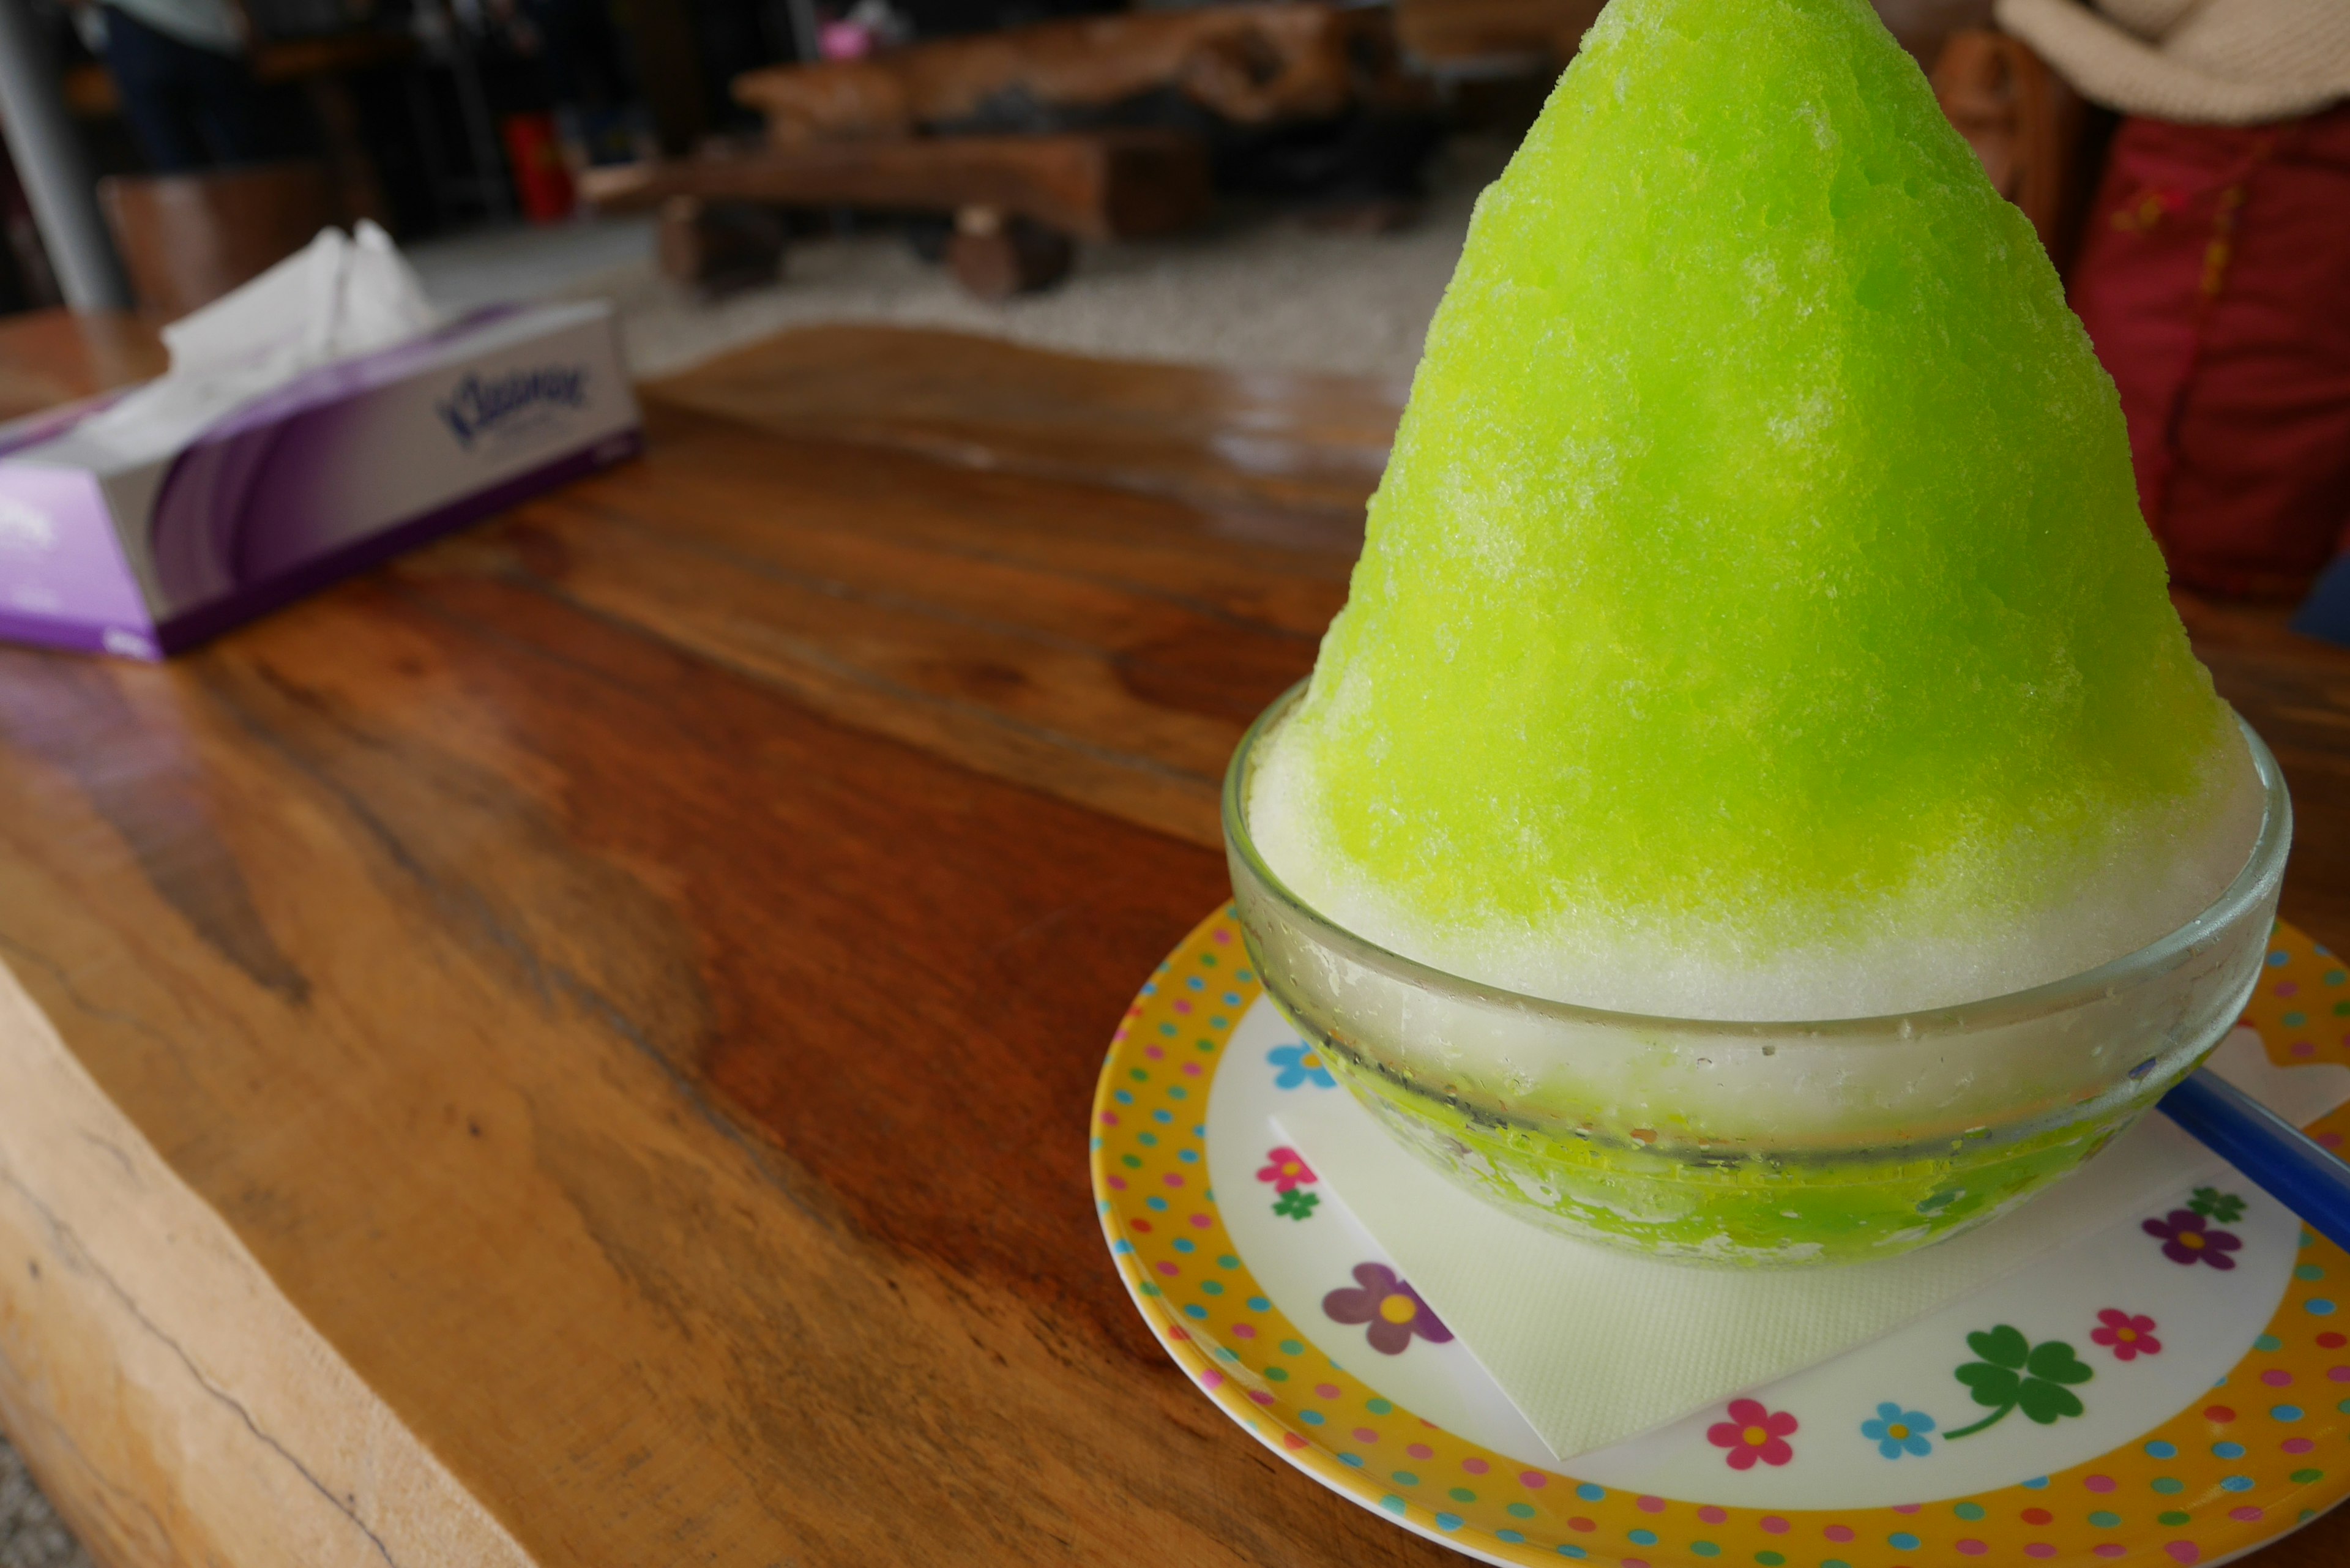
(339, 295)
(1654, 1340)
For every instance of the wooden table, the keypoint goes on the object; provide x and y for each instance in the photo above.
(575, 1048)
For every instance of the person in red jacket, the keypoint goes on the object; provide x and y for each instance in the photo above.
(2214, 272)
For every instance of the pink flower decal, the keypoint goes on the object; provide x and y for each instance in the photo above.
(1285, 1168)
(1754, 1433)
(2128, 1337)
(1391, 1307)
(2188, 1238)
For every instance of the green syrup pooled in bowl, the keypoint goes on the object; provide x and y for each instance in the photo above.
(1728, 1205)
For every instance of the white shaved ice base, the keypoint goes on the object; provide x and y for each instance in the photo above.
(2151, 878)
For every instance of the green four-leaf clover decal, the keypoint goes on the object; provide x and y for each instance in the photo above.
(1295, 1204)
(2015, 1374)
(2220, 1207)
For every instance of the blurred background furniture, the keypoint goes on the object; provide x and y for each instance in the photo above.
(1484, 36)
(440, 116)
(187, 239)
(1468, 38)
(1033, 137)
(321, 71)
(1237, 63)
(1016, 200)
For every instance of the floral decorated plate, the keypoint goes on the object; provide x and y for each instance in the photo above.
(2177, 1393)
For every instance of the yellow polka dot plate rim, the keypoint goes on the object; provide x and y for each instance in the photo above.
(2180, 1394)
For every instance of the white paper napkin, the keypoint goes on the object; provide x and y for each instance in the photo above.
(1595, 1346)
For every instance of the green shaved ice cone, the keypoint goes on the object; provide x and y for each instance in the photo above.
(1755, 623)
(1755, 618)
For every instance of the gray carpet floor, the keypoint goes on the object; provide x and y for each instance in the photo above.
(30, 1534)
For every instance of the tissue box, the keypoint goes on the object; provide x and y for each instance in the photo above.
(127, 536)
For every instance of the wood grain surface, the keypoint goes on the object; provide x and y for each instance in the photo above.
(574, 1048)
(1270, 454)
(51, 356)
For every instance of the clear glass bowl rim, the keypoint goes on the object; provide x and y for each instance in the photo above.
(2261, 868)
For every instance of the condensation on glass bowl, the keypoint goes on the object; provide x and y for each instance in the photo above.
(1757, 1143)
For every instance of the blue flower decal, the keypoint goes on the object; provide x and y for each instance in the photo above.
(1897, 1431)
(1300, 1063)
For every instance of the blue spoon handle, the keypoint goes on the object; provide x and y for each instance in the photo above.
(2266, 1147)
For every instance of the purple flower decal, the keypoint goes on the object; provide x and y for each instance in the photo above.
(1391, 1307)
(2188, 1238)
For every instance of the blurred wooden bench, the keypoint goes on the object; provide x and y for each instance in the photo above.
(1031, 137)
(1018, 201)
(1245, 64)
(1483, 34)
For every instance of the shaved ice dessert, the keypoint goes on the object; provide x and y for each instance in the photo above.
(1755, 624)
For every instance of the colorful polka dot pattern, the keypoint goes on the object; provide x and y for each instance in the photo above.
(2267, 1450)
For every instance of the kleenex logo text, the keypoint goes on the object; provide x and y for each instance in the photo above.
(479, 406)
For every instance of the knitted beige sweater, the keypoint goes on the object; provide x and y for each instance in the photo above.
(2226, 62)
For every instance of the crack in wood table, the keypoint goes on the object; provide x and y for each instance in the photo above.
(574, 1048)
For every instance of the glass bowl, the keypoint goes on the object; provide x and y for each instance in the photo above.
(1761, 1145)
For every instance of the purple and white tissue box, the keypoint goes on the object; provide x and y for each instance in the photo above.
(117, 539)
